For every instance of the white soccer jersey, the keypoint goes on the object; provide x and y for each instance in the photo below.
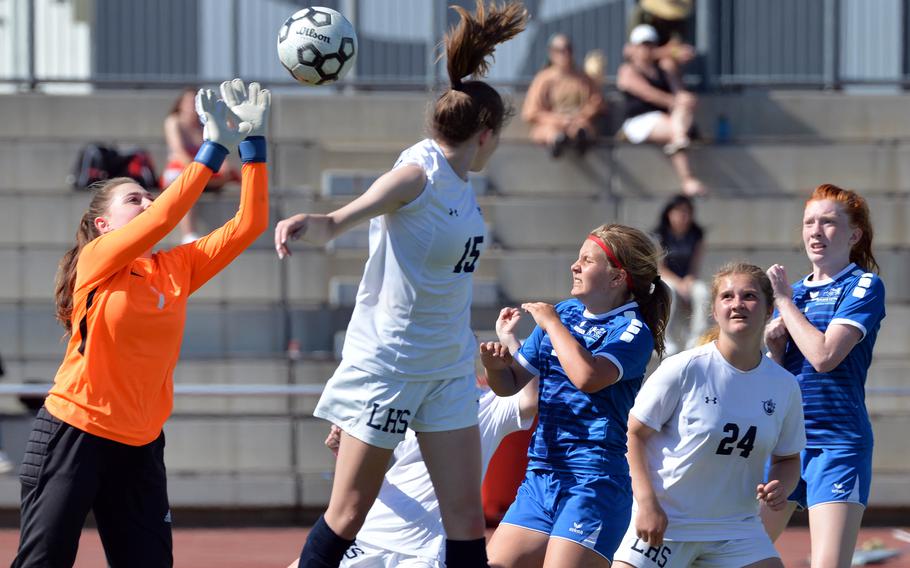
(412, 319)
(405, 517)
(717, 427)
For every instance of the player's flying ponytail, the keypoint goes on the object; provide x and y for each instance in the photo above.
(468, 106)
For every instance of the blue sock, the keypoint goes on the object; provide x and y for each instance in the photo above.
(323, 548)
(466, 553)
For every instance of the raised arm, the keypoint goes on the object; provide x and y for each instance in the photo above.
(114, 250)
(587, 372)
(824, 351)
(212, 253)
(388, 194)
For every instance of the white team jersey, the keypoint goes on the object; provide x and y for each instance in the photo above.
(717, 427)
(412, 319)
(405, 517)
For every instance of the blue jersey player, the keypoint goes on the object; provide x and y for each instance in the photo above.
(590, 353)
(825, 332)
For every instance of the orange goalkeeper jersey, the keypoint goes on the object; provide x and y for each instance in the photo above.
(116, 379)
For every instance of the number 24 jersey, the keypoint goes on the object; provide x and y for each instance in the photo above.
(716, 428)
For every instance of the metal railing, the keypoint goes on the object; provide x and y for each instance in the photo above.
(741, 43)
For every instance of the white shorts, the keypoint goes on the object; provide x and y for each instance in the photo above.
(638, 128)
(700, 554)
(362, 555)
(378, 411)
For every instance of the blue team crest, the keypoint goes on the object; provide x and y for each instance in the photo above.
(768, 406)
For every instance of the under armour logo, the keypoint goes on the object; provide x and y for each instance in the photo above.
(453, 212)
(710, 400)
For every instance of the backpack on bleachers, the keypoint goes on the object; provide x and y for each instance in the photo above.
(138, 164)
(97, 162)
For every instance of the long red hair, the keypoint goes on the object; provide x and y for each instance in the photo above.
(857, 211)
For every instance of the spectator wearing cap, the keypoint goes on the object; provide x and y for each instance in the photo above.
(563, 103)
(657, 107)
(670, 19)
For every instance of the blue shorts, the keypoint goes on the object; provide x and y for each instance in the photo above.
(592, 510)
(834, 475)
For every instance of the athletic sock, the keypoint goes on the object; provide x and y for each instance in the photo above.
(323, 548)
(466, 553)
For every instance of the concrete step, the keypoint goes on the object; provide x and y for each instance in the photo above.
(888, 373)
(399, 117)
(806, 115)
(752, 115)
(753, 169)
(757, 221)
(739, 170)
(43, 164)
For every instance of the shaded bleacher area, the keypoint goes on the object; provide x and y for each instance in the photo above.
(266, 452)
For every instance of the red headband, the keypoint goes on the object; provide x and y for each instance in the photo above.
(612, 257)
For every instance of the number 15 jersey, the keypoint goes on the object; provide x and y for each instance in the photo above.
(412, 318)
(716, 428)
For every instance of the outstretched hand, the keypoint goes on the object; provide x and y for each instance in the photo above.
(218, 123)
(250, 105)
(290, 229)
(240, 112)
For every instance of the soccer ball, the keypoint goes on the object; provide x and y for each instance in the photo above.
(317, 45)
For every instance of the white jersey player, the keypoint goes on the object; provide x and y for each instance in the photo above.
(702, 428)
(403, 528)
(408, 359)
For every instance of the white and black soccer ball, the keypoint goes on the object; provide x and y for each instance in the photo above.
(317, 45)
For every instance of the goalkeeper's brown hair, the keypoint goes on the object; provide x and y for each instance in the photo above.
(102, 194)
(468, 106)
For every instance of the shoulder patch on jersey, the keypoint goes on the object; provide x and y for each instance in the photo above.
(631, 331)
(859, 292)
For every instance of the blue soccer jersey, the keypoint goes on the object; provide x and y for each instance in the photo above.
(582, 432)
(834, 403)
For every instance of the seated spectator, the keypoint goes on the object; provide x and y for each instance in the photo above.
(681, 238)
(183, 134)
(595, 67)
(657, 107)
(669, 18)
(562, 102)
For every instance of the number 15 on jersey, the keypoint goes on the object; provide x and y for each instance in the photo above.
(469, 257)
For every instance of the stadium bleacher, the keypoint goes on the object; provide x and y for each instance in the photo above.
(267, 451)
